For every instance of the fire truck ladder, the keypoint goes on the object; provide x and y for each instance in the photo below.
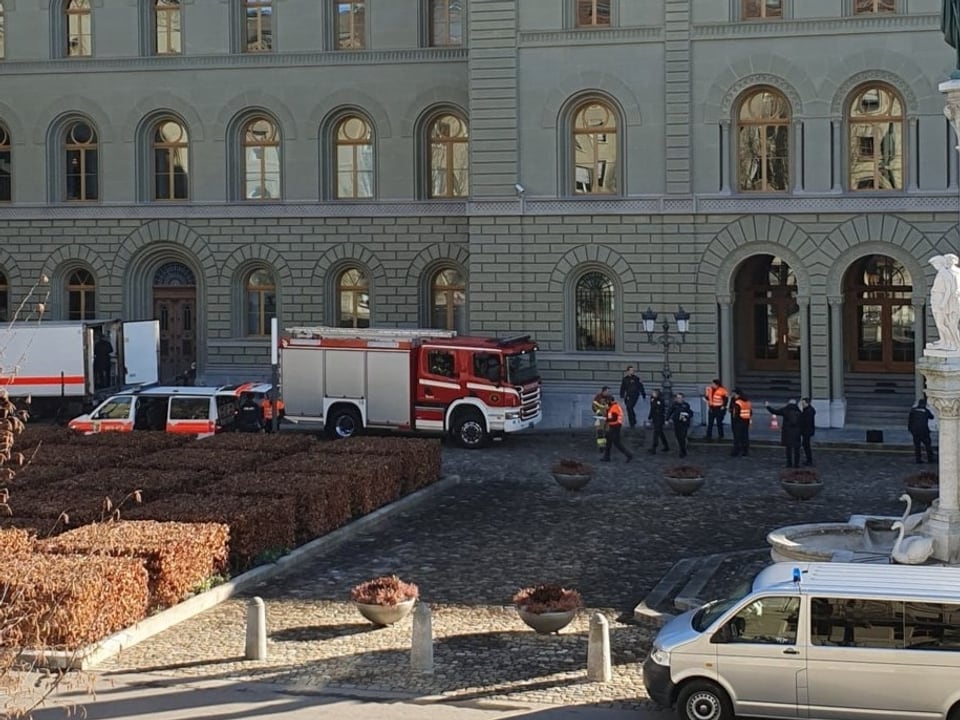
(319, 331)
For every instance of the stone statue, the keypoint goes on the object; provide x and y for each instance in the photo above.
(950, 26)
(945, 302)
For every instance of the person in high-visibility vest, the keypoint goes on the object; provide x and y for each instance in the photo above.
(741, 411)
(716, 395)
(614, 425)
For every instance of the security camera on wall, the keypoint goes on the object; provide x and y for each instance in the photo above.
(519, 188)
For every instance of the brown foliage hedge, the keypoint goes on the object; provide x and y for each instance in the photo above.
(15, 542)
(177, 556)
(214, 461)
(67, 601)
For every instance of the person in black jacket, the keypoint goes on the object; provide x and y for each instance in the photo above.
(918, 423)
(808, 427)
(680, 415)
(789, 431)
(631, 390)
(657, 417)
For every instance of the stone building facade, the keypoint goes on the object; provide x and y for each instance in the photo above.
(781, 169)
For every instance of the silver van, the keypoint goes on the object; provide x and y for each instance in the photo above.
(823, 641)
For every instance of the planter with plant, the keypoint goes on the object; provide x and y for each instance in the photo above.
(548, 607)
(684, 479)
(801, 483)
(385, 600)
(923, 487)
(571, 474)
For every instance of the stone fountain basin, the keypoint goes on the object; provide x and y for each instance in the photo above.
(832, 542)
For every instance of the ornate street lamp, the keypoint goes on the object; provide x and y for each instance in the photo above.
(666, 340)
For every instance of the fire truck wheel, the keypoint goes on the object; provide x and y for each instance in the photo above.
(343, 422)
(469, 429)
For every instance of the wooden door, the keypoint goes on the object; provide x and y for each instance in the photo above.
(175, 309)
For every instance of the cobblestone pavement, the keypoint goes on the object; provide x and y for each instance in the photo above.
(504, 525)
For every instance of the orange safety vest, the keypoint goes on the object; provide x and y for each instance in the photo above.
(614, 415)
(716, 397)
(746, 409)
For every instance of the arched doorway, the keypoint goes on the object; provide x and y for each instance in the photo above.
(880, 321)
(174, 306)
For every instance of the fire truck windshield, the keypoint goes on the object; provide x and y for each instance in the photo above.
(522, 368)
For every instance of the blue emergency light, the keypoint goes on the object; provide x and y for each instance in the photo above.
(797, 575)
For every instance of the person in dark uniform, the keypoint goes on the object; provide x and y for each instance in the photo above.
(789, 431)
(249, 415)
(631, 390)
(102, 350)
(657, 417)
(680, 415)
(808, 427)
(918, 423)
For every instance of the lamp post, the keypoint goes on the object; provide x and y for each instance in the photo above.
(666, 340)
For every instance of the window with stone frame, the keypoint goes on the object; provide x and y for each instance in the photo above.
(593, 13)
(79, 27)
(449, 156)
(874, 7)
(761, 9)
(260, 302)
(353, 144)
(6, 166)
(167, 38)
(352, 298)
(171, 166)
(4, 298)
(82, 162)
(3, 32)
(763, 142)
(260, 143)
(350, 25)
(257, 26)
(875, 124)
(81, 295)
(595, 305)
(595, 149)
(448, 300)
(445, 23)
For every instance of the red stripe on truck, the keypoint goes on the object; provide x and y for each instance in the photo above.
(43, 380)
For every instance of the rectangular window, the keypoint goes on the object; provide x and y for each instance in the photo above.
(856, 622)
(82, 304)
(2, 33)
(82, 175)
(446, 23)
(117, 408)
(187, 408)
(167, 26)
(350, 23)
(873, 7)
(761, 9)
(79, 33)
(258, 25)
(593, 13)
(6, 171)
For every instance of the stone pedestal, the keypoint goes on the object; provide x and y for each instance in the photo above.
(941, 368)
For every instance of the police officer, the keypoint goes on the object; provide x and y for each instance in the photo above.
(740, 413)
(614, 424)
(657, 417)
(789, 431)
(249, 415)
(631, 390)
(680, 415)
(918, 423)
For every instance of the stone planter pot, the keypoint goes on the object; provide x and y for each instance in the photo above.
(571, 482)
(383, 615)
(922, 494)
(550, 622)
(802, 491)
(684, 485)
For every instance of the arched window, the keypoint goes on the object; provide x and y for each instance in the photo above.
(79, 40)
(763, 142)
(166, 25)
(354, 150)
(258, 25)
(170, 160)
(449, 157)
(595, 168)
(446, 23)
(260, 301)
(81, 296)
(353, 299)
(875, 138)
(6, 167)
(448, 300)
(3, 29)
(82, 161)
(261, 159)
(4, 298)
(595, 302)
(880, 316)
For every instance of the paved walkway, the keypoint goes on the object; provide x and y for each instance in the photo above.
(504, 525)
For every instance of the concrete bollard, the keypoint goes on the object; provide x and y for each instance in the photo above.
(421, 647)
(256, 647)
(599, 667)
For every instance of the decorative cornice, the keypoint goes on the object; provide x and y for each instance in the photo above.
(235, 60)
(609, 36)
(825, 26)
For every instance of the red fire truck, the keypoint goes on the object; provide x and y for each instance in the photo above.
(430, 381)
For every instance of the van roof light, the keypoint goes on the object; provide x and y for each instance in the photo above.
(797, 575)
